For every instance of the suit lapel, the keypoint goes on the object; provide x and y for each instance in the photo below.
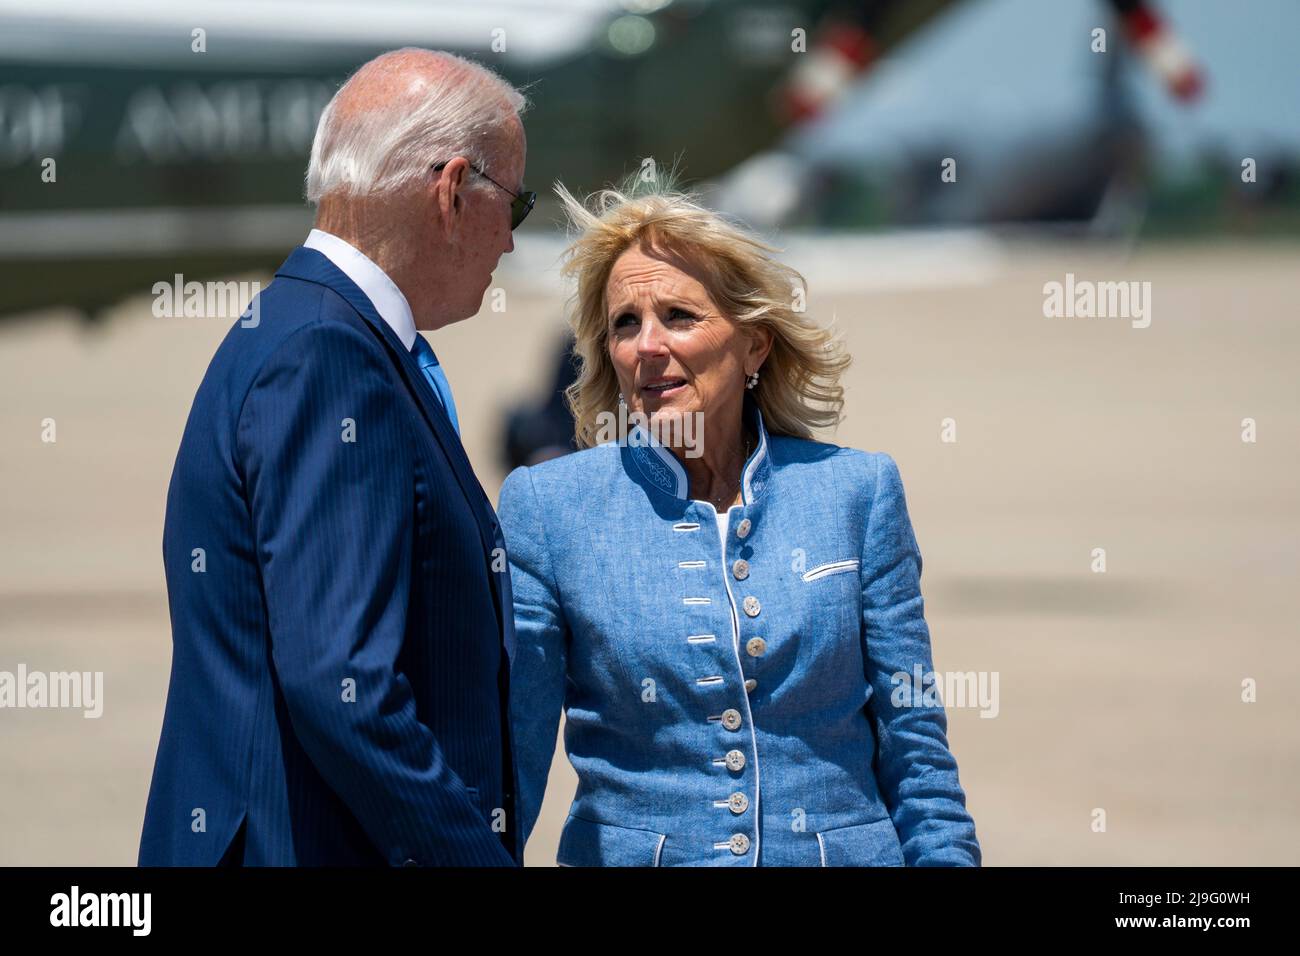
(314, 266)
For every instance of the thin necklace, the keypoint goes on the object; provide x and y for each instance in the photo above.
(731, 497)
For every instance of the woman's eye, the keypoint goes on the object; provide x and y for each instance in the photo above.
(679, 314)
(623, 320)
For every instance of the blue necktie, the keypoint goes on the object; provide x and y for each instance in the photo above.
(432, 369)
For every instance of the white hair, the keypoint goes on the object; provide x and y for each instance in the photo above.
(385, 149)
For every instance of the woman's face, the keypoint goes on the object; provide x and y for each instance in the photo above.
(673, 350)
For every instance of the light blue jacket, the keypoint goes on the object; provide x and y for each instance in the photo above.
(737, 705)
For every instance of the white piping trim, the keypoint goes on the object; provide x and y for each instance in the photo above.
(671, 460)
(686, 526)
(697, 600)
(692, 564)
(835, 567)
(821, 849)
(747, 493)
(740, 667)
(660, 848)
(701, 638)
(708, 680)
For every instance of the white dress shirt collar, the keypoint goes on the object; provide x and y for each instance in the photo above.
(382, 291)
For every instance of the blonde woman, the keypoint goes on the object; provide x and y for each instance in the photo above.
(718, 603)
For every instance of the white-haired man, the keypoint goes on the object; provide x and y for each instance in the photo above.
(341, 650)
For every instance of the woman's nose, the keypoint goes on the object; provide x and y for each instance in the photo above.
(650, 341)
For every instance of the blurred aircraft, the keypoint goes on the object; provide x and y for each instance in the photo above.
(1012, 95)
(141, 139)
(147, 139)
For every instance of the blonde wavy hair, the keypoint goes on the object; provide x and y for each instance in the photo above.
(799, 388)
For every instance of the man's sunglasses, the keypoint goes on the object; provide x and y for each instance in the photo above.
(521, 204)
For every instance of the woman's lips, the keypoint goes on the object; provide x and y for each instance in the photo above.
(665, 389)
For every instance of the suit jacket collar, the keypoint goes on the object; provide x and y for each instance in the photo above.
(384, 295)
(312, 265)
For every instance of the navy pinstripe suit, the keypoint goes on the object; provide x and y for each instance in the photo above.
(341, 616)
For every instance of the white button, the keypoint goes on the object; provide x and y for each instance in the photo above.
(740, 569)
(739, 844)
(752, 607)
(738, 803)
(742, 529)
(731, 718)
(750, 685)
(756, 647)
(735, 760)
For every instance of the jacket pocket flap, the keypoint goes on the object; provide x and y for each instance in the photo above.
(588, 843)
(865, 844)
(835, 567)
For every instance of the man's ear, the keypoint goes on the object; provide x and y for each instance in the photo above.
(449, 185)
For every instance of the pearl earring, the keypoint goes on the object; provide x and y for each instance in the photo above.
(621, 399)
(751, 380)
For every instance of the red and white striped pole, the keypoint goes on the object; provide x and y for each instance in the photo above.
(841, 53)
(1162, 51)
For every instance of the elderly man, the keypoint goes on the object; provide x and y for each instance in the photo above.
(340, 599)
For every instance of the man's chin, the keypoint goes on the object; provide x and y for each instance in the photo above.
(482, 297)
(477, 307)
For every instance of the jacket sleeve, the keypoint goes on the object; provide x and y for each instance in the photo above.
(327, 461)
(538, 675)
(916, 770)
